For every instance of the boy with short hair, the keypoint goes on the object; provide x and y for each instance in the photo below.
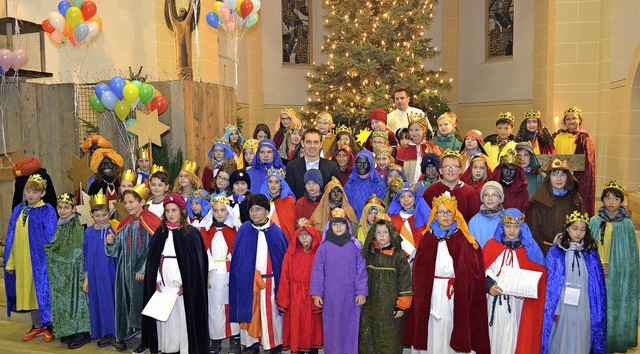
(144, 166)
(446, 134)
(497, 144)
(159, 186)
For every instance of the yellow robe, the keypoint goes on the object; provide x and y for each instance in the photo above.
(565, 143)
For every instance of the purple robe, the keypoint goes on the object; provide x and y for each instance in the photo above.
(338, 275)
(101, 273)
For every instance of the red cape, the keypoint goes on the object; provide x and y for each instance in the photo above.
(530, 329)
(516, 195)
(305, 208)
(286, 209)
(468, 199)
(148, 220)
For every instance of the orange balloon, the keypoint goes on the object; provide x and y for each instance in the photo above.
(148, 105)
(158, 93)
(97, 20)
(67, 29)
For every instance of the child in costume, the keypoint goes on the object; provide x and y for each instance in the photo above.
(472, 145)
(100, 272)
(497, 144)
(513, 180)
(219, 249)
(222, 187)
(430, 169)
(107, 164)
(187, 180)
(282, 200)
(575, 310)
(409, 214)
(31, 226)
(324, 124)
(249, 149)
(266, 158)
(235, 139)
(374, 206)
(333, 197)
(478, 172)
(339, 284)
(254, 277)
(531, 166)
(449, 303)
(144, 166)
(533, 131)
(390, 290)
(199, 210)
(618, 249)
(69, 309)
(302, 329)
(363, 182)
(307, 204)
(402, 135)
(127, 181)
(130, 246)
(379, 138)
(261, 132)
(410, 157)
(445, 137)
(22, 170)
(344, 158)
(292, 149)
(285, 123)
(515, 323)
(344, 137)
(484, 224)
(383, 160)
(88, 147)
(159, 186)
(220, 155)
(177, 263)
(241, 183)
(378, 122)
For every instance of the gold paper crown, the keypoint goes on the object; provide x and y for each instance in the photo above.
(451, 153)
(373, 199)
(250, 144)
(452, 117)
(614, 185)
(576, 216)
(190, 166)
(272, 171)
(155, 168)
(220, 141)
(129, 175)
(325, 115)
(200, 194)
(143, 153)
(338, 213)
(98, 199)
(396, 182)
(383, 150)
(408, 188)
(39, 180)
(511, 157)
(380, 133)
(512, 220)
(381, 216)
(288, 111)
(220, 199)
(393, 166)
(532, 114)
(506, 115)
(343, 128)
(303, 222)
(573, 110)
(445, 197)
(558, 164)
(67, 198)
(142, 190)
(417, 117)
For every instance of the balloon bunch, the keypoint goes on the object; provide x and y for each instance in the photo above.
(234, 14)
(12, 59)
(121, 96)
(75, 20)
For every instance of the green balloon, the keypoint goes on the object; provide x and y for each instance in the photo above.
(137, 83)
(77, 3)
(146, 92)
(96, 103)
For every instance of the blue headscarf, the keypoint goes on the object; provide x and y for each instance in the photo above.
(421, 209)
(358, 190)
(202, 196)
(530, 246)
(286, 190)
(394, 170)
(228, 153)
(230, 129)
(277, 161)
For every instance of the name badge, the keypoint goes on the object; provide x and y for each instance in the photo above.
(571, 296)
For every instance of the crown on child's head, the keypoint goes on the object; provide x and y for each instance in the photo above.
(325, 115)
(417, 117)
(393, 166)
(143, 153)
(230, 127)
(155, 168)
(129, 175)
(573, 110)
(511, 157)
(278, 172)
(408, 187)
(189, 166)
(303, 222)
(39, 180)
(98, 199)
(220, 141)
(446, 197)
(576, 215)
(614, 185)
(510, 219)
(250, 144)
(506, 116)
(200, 194)
(220, 199)
(373, 199)
(382, 216)
(67, 198)
(383, 150)
(451, 153)
(396, 183)
(142, 190)
(288, 111)
(532, 114)
(380, 133)
(338, 213)
(343, 128)
(558, 164)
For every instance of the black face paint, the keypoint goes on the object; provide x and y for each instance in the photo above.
(106, 167)
(362, 165)
(335, 196)
(508, 173)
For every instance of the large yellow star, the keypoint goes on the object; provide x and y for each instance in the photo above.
(148, 128)
(79, 173)
(84, 210)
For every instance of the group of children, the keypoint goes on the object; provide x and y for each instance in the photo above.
(405, 246)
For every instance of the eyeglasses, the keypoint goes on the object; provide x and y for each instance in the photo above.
(445, 212)
(451, 168)
(222, 178)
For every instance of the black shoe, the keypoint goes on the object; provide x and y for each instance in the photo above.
(234, 344)
(276, 350)
(313, 351)
(254, 349)
(105, 341)
(140, 349)
(120, 346)
(79, 340)
(66, 339)
(215, 345)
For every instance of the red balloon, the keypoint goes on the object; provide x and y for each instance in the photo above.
(160, 103)
(88, 9)
(245, 8)
(47, 27)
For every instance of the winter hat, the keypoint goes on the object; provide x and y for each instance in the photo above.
(378, 114)
(495, 186)
(239, 176)
(313, 175)
(176, 199)
(429, 159)
(260, 200)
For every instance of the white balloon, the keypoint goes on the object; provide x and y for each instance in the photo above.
(257, 4)
(57, 21)
(232, 4)
(93, 30)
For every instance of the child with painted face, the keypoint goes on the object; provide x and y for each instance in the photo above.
(515, 323)
(363, 182)
(107, 165)
(177, 264)
(159, 186)
(484, 224)
(618, 249)
(339, 284)
(513, 180)
(333, 197)
(575, 312)
(409, 214)
(430, 169)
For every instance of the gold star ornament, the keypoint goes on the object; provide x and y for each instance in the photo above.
(84, 209)
(148, 128)
(79, 173)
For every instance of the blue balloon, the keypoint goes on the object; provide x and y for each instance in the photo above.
(109, 100)
(101, 88)
(63, 6)
(82, 31)
(117, 84)
(212, 19)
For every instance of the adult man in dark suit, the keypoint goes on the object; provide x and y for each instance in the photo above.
(311, 143)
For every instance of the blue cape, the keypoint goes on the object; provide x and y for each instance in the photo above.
(421, 209)
(530, 245)
(258, 172)
(286, 190)
(228, 153)
(358, 190)
(230, 129)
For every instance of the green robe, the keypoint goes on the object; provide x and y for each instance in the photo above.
(622, 282)
(69, 306)
(389, 278)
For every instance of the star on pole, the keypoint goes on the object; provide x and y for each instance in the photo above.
(79, 173)
(148, 128)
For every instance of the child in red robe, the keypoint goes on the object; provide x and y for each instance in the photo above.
(282, 200)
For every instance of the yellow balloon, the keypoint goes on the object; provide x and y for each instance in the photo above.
(216, 5)
(239, 5)
(74, 16)
(122, 109)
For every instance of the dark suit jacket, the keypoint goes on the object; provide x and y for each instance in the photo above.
(296, 169)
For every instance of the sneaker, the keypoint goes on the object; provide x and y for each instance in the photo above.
(48, 334)
(105, 341)
(33, 332)
(140, 349)
(120, 346)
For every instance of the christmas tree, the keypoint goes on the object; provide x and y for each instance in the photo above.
(373, 48)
